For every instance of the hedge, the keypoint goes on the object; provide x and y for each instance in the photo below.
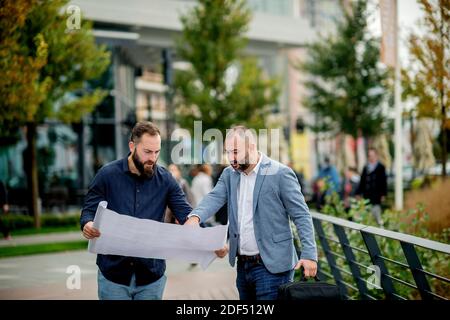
(16, 222)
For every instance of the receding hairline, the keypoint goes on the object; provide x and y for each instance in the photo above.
(242, 132)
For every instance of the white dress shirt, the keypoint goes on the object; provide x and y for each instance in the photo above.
(245, 190)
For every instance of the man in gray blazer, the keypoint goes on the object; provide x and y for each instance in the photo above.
(263, 196)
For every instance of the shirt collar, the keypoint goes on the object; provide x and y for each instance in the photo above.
(125, 167)
(371, 166)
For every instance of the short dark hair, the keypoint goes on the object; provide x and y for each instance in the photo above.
(205, 168)
(141, 128)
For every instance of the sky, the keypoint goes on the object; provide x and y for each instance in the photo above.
(409, 13)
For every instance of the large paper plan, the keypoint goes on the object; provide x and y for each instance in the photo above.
(133, 237)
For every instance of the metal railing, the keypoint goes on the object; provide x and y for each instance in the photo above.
(349, 270)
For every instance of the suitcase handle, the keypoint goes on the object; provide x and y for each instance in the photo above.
(303, 277)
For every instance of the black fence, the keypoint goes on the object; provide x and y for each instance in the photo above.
(347, 249)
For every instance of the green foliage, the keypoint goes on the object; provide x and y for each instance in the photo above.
(427, 78)
(42, 248)
(44, 230)
(412, 222)
(44, 68)
(211, 42)
(22, 58)
(15, 222)
(60, 221)
(42, 63)
(19, 222)
(417, 183)
(347, 85)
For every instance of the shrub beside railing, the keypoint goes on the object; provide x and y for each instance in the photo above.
(413, 222)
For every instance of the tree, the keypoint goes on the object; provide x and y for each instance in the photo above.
(20, 65)
(423, 147)
(346, 85)
(222, 86)
(47, 67)
(428, 76)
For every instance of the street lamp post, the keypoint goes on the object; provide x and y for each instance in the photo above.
(168, 81)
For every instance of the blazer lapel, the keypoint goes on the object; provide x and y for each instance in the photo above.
(235, 179)
(262, 172)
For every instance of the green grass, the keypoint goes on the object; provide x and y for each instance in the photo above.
(23, 250)
(43, 230)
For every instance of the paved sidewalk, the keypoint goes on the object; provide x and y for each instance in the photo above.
(43, 238)
(44, 277)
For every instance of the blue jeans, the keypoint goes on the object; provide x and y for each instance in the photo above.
(108, 290)
(255, 282)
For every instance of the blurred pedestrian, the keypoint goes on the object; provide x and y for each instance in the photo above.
(325, 183)
(373, 184)
(329, 173)
(202, 184)
(350, 185)
(221, 215)
(184, 185)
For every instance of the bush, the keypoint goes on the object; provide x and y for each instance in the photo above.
(60, 221)
(17, 222)
(413, 221)
(433, 194)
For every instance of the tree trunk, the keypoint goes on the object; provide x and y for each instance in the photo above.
(341, 154)
(444, 139)
(442, 94)
(413, 142)
(32, 174)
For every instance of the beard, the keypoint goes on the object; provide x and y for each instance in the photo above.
(146, 169)
(241, 166)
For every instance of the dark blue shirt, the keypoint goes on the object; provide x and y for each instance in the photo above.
(130, 194)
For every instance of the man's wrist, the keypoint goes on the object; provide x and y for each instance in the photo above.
(194, 216)
(309, 258)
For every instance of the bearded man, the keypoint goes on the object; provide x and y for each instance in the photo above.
(138, 187)
(263, 196)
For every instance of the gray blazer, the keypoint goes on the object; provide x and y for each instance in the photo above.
(277, 198)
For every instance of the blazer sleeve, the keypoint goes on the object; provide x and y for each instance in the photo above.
(295, 204)
(213, 201)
